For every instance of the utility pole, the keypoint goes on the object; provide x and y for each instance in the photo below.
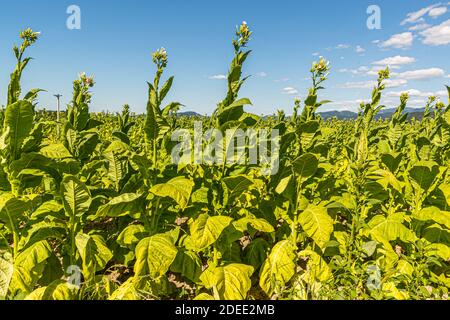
(58, 97)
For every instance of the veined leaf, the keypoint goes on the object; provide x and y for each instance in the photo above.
(317, 269)
(278, 268)
(76, 196)
(235, 186)
(18, 123)
(154, 256)
(6, 272)
(317, 224)
(29, 266)
(131, 235)
(306, 165)
(58, 290)
(179, 189)
(433, 214)
(123, 205)
(231, 282)
(205, 230)
(94, 253)
(258, 224)
(188, 264)
(56, 151)
(390, 228)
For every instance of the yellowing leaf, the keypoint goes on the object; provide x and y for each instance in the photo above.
(179, 189)
(154, 255)
(390, 228)
(317, 224)
(231, 282)
(278, 268)
(205, 230)
(258, 224)
(317, 268)
(6, 272)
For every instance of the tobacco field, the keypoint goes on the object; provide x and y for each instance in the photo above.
(93, 207)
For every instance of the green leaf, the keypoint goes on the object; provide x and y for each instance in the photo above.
(127, 291)
(165, 89)
(17, 126)
(235, 187)
(48, 209)
(306, 165)
(179, 189)
(76, 196)
(43, 230)
(12, 210)
(154, 256)
(231, 282)
(438, 249)
(29, 266)
(317, 224)
(188, 264)
(131, 235)
(433, 214)
(256, 252)
(58, 290)
(278, 268)
(94, 253)
(6, 272)
(205, 230)
(390, 228)
(123, 205)
(258, 224)
(316, 268)
(204, 297)
(56, 151)
(424, 173)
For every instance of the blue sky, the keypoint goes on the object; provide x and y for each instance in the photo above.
(117, 37)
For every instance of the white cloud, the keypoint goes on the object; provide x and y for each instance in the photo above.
(370, 84)
(411, 93)
(394, 83)
(418, 27)
(437, 35)
(395, 61)
(399, 41)
(417, 97)
(422, 74)
(316, 54)
(345, 105)
(282, 80)
(290, 91)
(360, 49)
(436, 12)
(417, 16)
(447, 76)
(218, 77)
(342, 46)
(360, 70)
(376, 41)
(261, 74)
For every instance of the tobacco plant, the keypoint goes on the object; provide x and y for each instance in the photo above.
(357, 209)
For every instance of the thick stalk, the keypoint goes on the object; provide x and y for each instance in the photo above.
(15, 235)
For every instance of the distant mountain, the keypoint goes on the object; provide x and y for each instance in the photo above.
(342, 115)
(189, 114)
(383, 114)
